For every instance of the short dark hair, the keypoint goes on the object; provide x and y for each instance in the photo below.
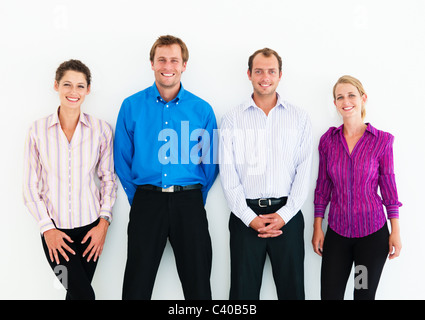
(267, 53)
(168, 41)
(74, 65)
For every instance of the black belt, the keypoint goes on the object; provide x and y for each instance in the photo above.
(171, 188)
(266, 202)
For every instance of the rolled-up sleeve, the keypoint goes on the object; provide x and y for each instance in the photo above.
(324, 184)
(387, 181)
(106, 173)
(31, 184)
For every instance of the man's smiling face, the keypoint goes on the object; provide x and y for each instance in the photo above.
(168, 66)
(265, 75)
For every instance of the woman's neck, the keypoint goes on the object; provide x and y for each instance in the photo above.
(68, 118)
(354, 127)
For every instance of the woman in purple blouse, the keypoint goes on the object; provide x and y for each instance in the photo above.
(355, 159)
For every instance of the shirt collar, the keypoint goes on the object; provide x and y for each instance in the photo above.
(369, 128)
(84, 120)
(158, 97)
(372, 130)
(55, 119)
(251, 102)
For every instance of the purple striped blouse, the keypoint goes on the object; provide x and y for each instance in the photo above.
(59, 176)
(350, 182)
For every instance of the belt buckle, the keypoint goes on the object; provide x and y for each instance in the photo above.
(169, 189)
(263, 206)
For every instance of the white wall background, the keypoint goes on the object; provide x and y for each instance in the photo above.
(380, 42)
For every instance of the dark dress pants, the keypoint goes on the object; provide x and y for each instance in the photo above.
(339, 254)
(180, 217)
(248, 255)
(76, 274)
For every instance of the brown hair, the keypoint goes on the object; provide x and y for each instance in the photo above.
(168, 41)
(267, 53)
(74, 65)
(355, 82)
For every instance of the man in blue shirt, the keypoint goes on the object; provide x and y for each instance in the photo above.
(164, 157)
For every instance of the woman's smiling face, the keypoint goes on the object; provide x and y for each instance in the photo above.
(72, 89)
(348, 100)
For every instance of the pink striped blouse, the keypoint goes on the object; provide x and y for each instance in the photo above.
(350, 182)
(59, 176)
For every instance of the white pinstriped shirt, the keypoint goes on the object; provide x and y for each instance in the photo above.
(265, 157)
(59, 182)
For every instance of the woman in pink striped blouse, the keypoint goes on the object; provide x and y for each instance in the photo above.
(355, 159)
(62, 154)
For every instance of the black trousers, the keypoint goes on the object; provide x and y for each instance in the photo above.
(248, 255)
(76, 274)
(180, 217)
(339, 253)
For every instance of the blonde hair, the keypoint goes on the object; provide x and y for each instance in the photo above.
(355, 82)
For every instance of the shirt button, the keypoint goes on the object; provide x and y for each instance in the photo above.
(167, 105)
(166, 122)
(165, 174)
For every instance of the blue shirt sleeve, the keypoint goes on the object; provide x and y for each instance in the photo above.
(209, 162)
(124, 150)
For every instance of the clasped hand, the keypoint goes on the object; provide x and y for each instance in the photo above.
(268, 225)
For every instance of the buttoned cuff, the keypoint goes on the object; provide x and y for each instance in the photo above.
(286, 214)
(393, 211)
(46, 225)
(106, 211)
(319, 210)
(247, 216)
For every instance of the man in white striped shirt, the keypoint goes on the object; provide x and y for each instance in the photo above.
(265, 165)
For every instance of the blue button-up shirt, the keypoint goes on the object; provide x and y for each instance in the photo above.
(165, 143)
